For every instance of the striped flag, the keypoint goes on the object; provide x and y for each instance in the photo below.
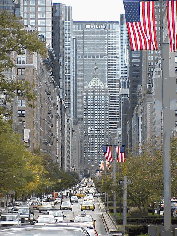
(172, 24)
(140, 18)
(120, 154)
(108, 153)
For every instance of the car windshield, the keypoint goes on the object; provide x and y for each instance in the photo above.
(65, 203)
(23, 211)
(9, 218)
(87, 203)
(56, 213)
(83, 219)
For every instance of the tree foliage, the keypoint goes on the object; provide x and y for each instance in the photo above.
(144, 173)
(25, 172)
(14, 38)
(173, 167)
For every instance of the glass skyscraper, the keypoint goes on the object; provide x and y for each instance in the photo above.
(98, 42)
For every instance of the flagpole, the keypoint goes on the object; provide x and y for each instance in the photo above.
(114, 178)
(166, 130)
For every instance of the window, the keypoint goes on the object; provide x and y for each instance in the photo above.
(48, 15)
(20, 71)
(21, 60)
(41, 22)
(25, 22)
(32, 2)
(21, 103)
(41, 9)
(48, 22)
(25, 15)
(41, 15)
(41, 2)
(25, 9)
(32, 9)
(32, 22)
(21, 113)
(48, 34)
(32, 15)
(136, 60)
(41, 29)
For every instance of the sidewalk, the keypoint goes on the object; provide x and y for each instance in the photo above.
(109, 224)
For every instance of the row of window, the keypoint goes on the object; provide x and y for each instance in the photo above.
(41, 9)
(40, 15)
(34, 2)
(40, 22)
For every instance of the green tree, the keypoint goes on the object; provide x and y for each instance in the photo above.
(173, 155)
(14, 38)
(11, 159)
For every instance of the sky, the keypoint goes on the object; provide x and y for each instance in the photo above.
(94, 10)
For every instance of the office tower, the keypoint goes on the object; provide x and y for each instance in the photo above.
(37, 14)
(63, 47)
(98, 42)
(96, 107)
(124, 83)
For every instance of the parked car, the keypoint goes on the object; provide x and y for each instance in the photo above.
(24, 213)
(87, 205)
(74, 199)
(8, 219)
(66, 206)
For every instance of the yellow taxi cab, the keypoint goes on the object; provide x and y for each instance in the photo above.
(87, 205)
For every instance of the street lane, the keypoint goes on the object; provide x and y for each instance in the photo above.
(76, 210)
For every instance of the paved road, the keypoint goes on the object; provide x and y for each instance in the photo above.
(76, 210)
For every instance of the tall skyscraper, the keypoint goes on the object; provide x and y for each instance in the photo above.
(96, 107)
(63, 47)
(124, 82)
(98, 42)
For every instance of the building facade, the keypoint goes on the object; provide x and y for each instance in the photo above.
(98, 42)
(96, 119)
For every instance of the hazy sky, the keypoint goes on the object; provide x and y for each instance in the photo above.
(94, 10)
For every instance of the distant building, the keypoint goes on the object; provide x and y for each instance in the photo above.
(96, 119)
(98, 42)
(124, 83)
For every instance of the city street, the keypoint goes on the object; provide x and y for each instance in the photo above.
(76, 210)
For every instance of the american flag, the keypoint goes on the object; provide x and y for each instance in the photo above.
(140, 18)
(120, 154)
(108, 154)
(172, 24)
